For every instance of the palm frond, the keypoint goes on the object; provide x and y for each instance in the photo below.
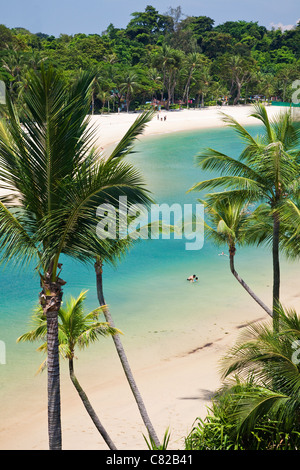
(213, 160)
(253, 188)
(125, 146)
(16, 244)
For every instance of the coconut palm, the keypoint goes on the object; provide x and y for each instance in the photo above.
(267, 171)
(14, 63)
(128, 86)
(55, 180)
(104, 96)
(228, 223)
(161, 61)
(121, 351)
(203, 83)
(155, 80)
(193, 60)
(266, 365)
(76, 329)
(241, 73)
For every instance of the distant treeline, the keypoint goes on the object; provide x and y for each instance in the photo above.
(172, 58)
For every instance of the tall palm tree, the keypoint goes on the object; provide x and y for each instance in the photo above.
(160, 61)
(155, 80)
(128, 86)
(115, 249)
(121, 351)
(228, 222)
(56, 179)
(76, 328)
(266, 171)
(193, 60)
(203, 83)
(104, 96)
(241, 73)
(15, 64)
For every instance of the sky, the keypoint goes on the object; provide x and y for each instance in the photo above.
(93, 16)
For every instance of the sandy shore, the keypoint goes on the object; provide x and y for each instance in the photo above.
(110, 128)
(178, 388)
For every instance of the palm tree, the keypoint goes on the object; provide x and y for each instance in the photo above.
(241, 73)
(161, 61)
(120, 349)
(56, 179)
(114, 251)
(203, 83)
(128, 86)
(267, 171)
(269, 362)
(104, 96)
(169, 61)
(75, 329)
(155, 80)
(266, 83)
(174, 65)
(286, 74)
(228, 222)
(14, 63)
(193, 60)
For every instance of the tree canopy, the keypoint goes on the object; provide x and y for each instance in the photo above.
(269, 55)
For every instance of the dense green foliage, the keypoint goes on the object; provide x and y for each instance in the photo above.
(177, 59)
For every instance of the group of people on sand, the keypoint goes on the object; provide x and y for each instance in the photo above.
(162, 118)
(192, 278)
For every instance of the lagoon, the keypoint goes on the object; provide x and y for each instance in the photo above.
(160, 313)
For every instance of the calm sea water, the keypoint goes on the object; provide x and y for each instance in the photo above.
(148, 293)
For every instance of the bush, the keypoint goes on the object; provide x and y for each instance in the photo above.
(211, 103)
(219, 430)
(143, 107)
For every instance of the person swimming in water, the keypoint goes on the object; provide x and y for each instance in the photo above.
(192, 278)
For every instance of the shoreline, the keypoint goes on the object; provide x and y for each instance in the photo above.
(111, 127)
(177, 387)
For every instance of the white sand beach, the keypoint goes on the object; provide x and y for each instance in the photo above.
(111, 127)
(176, 389)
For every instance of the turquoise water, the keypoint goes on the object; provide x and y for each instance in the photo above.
(149, 297)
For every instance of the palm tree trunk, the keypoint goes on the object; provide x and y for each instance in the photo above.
(54, 415)
(276, 270)
(232, 251)
(238, 94)
(89, 408)
(93, 103)
(50, 299)
(123, 357)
